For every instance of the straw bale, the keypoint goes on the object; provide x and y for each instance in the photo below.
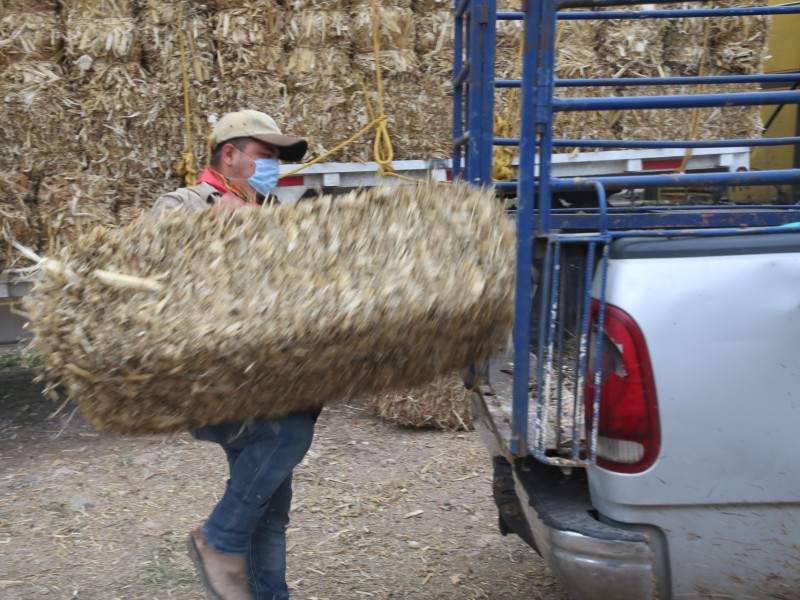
(165, 12)
(728, 122)
(161, 46)
(396, 28)
(34, 121)
(258, 91)
(29, 5)
(17, 218)
(318, 69)
(99, 9)
(325, 119)
(250, 39)
(738, 44)
(71, 204)
(418, 109)
(509, 36)
(356, 5)
(217, 317)
(112, 39)
(630, 48)
(441, 404)
(319, 28)
(434, 42)
(35, 36)
(302, 5)
(422, 7)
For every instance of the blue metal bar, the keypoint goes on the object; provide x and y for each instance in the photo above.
(687, 101)
(526, 224)
(460, 71)
(480, 95)
(603, 3)
(684, 13)
(743, 143)
(679, 219)
(653, 81)
(545, 108)
(680, 13)
(461, 8)
(463, 73)
(656, 144)
(681, 180)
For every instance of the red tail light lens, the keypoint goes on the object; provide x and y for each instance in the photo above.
(628, 433)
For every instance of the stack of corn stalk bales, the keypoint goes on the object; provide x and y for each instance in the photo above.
(319, 77)
(177, 49)
(18, 218)
(93, 89)
(442, 404)
(416, 101)
(34, 116)
(172, 323)
(722, 46)
(33, 87)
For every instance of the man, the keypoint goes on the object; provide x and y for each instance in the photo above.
(240, 551)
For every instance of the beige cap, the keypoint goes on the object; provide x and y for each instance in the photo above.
(255, 124)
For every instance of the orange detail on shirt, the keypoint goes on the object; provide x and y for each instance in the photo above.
(221, 183)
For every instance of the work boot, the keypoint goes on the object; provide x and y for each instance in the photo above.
(224, 576)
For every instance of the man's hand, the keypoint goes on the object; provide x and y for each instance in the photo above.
(230, 201)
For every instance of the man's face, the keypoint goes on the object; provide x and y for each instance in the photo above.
(241, 163)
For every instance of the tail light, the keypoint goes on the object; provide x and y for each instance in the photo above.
(628, 431)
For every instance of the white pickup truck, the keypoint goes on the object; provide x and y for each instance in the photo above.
(695, 491)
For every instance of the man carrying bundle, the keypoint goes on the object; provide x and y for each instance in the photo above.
(240, 551)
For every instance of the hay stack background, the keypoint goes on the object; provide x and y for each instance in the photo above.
(265, 312)
(441, 404)
(95, 88)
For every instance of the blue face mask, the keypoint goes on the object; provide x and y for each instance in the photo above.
(265, 177)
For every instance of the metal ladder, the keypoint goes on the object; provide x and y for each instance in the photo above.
(551, 330)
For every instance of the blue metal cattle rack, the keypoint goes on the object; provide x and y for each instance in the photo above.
(542, 225)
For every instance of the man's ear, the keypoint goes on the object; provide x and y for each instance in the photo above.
(228, 154)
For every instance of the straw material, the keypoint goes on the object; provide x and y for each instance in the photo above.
(99, 9)
(199, 318)
(29, 5)
(396, 28)
(34, 36)
(17, 218)
(102, 39)
(315, 5)
(161, 44)
(72, 204)
(34, 119)
(250, 39)
(441, 404)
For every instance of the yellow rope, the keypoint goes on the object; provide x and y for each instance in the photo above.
(382, 145)
(186, 166)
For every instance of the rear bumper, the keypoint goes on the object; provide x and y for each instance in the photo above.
(553, 514)
(593, 561)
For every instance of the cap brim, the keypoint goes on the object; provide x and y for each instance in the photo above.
(291, 149)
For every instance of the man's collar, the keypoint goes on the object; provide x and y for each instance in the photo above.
(221, 183)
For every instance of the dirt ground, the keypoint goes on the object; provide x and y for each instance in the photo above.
(380, 511)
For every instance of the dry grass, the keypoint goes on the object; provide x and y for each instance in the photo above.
(442, 404)
(98, 516)
(190, 319)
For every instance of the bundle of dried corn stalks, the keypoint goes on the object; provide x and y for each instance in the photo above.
(17, 219)
(173, 323)
(27, 35)
(442, 404)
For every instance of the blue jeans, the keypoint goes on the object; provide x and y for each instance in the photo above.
(252, 516)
